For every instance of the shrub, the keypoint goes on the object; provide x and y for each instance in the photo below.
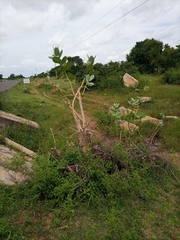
(112, 81)
(172, 76)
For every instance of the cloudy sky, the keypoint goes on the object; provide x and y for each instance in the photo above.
(29, 29)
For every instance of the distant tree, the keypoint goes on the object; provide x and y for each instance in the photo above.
(1, 77)
(12, 76)
(146, 55)
(78, 67)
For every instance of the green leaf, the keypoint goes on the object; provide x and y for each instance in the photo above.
(56, 51)
(56, 60)
(87, 78)
(68, 66)
(63, 61)
(71, 76)
(90, 84)
(90, 60)
(60, 54)
(91, 78)
(58, 68)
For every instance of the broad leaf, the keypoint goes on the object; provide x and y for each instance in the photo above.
(90, 84)
(56, 51)
(71, 76)
(58, 68)
(91, 78)
(56, 60)
(63, 61)
(68, 66)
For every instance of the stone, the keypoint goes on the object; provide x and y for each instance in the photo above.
(136, 89)
(172, 117)
(9, 177)
(146, 88)
(151, 119)
(123, 111)
(127, 125)
(130, 81)
(146, 99)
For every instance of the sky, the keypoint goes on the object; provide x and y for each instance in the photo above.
(107, 29)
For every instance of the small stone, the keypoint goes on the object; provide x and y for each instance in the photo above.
(123, 111)
(172, 117)
(146, 88)
(127, 125)
(146, 99)
(150, 119)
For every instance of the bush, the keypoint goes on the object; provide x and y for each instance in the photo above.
(113, 81)
(172, 76)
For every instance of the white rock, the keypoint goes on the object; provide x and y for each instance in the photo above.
(146, 99)
(150, 119)
(123, 111)
(130, 81)
(127, 125)
(146, 88)
(173, 117)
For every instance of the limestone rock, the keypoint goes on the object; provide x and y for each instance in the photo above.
(146, 99)
(10, 177)
(130, 81)
(127, 125)
(123, 111)
(150, 119)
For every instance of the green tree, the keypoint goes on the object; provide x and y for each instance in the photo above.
(78, 67)
(146, 55)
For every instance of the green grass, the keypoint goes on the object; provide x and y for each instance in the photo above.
(126, 194)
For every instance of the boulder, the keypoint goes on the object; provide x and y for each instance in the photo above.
(127, 125)
(9, 177)
(150, 119)
(130, 81)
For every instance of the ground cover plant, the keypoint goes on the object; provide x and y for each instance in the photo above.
(117, 189)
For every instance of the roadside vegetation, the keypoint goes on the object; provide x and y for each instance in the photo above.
(91, 178)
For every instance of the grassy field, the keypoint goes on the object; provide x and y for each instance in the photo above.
(125, 193)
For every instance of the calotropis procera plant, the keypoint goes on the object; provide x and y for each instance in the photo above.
(64, 67)
(114, 111)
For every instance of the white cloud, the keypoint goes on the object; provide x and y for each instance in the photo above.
(28, 60)
(14, 66)
(57, 39)
(2, 67)
(108, 29)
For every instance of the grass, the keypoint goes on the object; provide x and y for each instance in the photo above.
(126, 194)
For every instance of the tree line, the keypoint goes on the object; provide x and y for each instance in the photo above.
(146, 57)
